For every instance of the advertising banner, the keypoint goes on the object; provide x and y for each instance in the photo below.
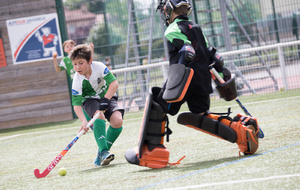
(34, 38)
(2, 53)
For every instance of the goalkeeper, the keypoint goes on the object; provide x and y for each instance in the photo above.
(189, 81)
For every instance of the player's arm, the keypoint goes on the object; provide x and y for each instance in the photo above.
(56, 67)
(76, 102)
(81, 116)
(176, 41)
(218, 64)
(112, 89)
(92, 48)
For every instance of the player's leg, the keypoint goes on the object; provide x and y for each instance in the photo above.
(201, 120)
(151, 151)
(206, 124)
(247, 130)
(242, 130)
(91, 107)
(115, 116)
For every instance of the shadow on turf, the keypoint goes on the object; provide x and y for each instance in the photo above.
(97, 168)
(195, 166)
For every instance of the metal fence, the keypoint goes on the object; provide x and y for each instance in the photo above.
(228, 24)
(280, 71)
(243, 31)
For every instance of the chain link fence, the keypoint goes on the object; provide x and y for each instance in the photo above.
(249, 24)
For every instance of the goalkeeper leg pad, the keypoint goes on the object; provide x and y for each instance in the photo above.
(152, 156)
(150, 151)
(246, 128)
(211, 124)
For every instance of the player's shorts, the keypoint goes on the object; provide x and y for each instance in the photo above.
(197, 103)
(91, 105)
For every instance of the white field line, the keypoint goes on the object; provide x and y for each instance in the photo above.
(12, 136)
(235, 182)
(258, 102)
(8, 137)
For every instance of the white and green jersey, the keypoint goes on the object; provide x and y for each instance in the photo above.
(94, 87)
(66, 64)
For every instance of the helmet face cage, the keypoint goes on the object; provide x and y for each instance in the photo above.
(166, 8)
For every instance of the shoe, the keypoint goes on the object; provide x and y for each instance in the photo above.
(106, 157)
(252, 144)
(97, 159)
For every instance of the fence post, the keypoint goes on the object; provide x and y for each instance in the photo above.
(282, 66)
(64, 36)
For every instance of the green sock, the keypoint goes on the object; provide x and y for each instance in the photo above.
(100, 134)
(112, 135)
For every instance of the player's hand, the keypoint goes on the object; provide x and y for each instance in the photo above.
(83, 127)
(54, 55)
(92, 46)
(104, 104)
(226, 74)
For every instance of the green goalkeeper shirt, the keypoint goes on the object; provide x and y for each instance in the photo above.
(94, 87)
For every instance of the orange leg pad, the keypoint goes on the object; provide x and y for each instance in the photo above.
(157, 158)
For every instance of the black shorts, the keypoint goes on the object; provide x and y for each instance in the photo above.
(196, 102)
(91, 105)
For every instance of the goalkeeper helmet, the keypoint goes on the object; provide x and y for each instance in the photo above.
(166, 7)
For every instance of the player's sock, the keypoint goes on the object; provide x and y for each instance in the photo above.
(112, 135)
(100, 134)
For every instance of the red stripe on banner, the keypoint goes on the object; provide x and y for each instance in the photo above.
(15, 54)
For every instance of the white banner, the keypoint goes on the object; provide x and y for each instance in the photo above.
(34, 38)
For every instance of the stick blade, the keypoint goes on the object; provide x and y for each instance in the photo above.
(261, 134)
(38, 175)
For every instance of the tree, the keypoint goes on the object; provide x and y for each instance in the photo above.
(100, 39)
(94, 6)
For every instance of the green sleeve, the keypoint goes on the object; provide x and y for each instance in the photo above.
(207, 45)
(173, 33)
(109, 78)
(76, 100)
(61, 68)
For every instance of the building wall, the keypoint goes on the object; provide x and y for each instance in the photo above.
(30, 93)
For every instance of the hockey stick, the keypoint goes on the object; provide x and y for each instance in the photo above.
(221, 80)
(62, 153)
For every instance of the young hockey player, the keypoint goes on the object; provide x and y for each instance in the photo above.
(93, 90)
(65, 63)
